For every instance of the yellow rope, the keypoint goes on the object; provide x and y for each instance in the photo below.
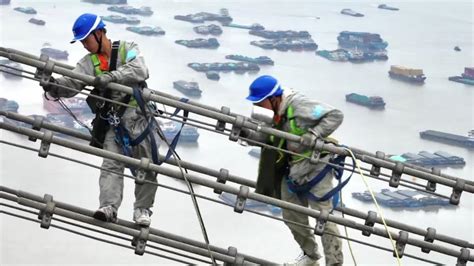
(376, 205)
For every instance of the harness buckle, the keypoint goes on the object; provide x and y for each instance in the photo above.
(222, 178)
(45, 144)
(46, 213)
(457, 190)
(238, 258)
(236, 128)
(429, 237)
(375, 170)
(431, 185)
(370, 221)
(113, 118)
(141, 172)
(396, 174)
(241, 199)
(463, 257)
(139, 241)
(37, 124)
(220, 126)
(401, 243)
(321, 222)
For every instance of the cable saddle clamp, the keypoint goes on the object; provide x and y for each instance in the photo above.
(401, 243)
(431, 185)
(429, 237)
(375, 170)
(141, 172)
(318, 147)
(222, 178)
(46, 213)
(370, 221)
(241, 199)
(321, 222)
(45, 144)
(463, 257)
(396, 175)
(139, 241)
(238, 258)
(37, 125)
(236, 128)
(220, 126)
(457, 190)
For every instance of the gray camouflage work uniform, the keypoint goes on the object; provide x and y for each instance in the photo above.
(321, 120)
(130, 71)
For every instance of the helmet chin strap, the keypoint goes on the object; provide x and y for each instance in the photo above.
(99, 42)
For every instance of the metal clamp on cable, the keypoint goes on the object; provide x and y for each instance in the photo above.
(46, 213)
(45, 144)
(431, 186)
(457, 190)
(236, 128)
(238, 258)
(241, 198)
(222, 178)
(396, 174)
(318, 147)
(37, 124)
(321, 222)
(141, 172)
(220, 126)
(46, 73)
(139, 242)
(401, 243)
(375, 170)
(369, 221)
(463, 257)
(39, 71)
(429, 237)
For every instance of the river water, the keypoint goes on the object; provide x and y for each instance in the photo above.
(421, 35)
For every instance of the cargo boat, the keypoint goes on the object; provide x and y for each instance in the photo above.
(407, 74)
(129, 10)
(77, 105)
(213, 75)
(121, 19)
(254, 205)
(37, 21)
(350, 12)
(254, 26)
(13, 67)
(386, 7)
(4, 2)
(146, 30)
(448, 138)
(363, 41)
(187, 88)
(255, 152)
(208, 29)
(55, 53)
(467, 77)
(26, 10)
(424, 158)
(188, 134)
(211, 43)
(108, 2)
(261, 60)
(373, 102)
(403, 198)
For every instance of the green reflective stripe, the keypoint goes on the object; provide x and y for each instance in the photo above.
(96, 63)
(302, 156)
(133, 102)
(293, 127)
(123, 52)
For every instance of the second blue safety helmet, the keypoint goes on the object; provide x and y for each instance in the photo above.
(264, 87)
(85, 24)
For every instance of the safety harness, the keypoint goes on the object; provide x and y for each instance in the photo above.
(110, 115)
(304, 190)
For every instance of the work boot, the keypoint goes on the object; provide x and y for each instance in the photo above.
(141, 216)
(303, 259)
(106, 214)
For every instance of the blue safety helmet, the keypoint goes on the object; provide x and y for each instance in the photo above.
(264, 87)
(85, 24)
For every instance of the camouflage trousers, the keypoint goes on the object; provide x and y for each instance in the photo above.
(111, 185)
(332, 245)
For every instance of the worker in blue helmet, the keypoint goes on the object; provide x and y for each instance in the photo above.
(119, 62)
(295, 178)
